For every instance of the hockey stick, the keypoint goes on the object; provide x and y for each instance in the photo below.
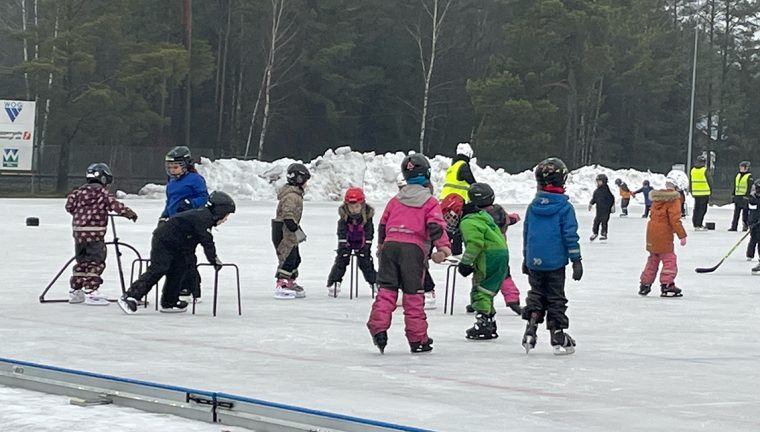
(712, 269)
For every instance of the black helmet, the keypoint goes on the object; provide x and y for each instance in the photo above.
(481, 194)
(99, 173)
(298, 174)
(745, 164)
(180, 154)
(618, 182)
(551, 171)
(415, 165)
(220, 204)
(602, 178)
(645, 182)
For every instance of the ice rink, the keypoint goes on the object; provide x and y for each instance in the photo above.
(641, 363)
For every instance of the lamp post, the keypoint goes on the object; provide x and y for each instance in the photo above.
(693, 90)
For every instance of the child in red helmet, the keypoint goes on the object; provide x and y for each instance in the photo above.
(355, 234)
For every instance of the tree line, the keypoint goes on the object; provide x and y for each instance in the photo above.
(592, 81)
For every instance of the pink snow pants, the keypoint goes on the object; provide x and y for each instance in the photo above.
(509, 290)
(414, 314)
(669, 268)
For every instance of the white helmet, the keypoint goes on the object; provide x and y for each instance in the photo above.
(465, 149)
(400, 181)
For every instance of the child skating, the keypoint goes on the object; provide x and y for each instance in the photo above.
(410, 222)
(605, 205)
(485, 257)
(169, 250)
(355, 234)
(550, 241)
(89, 206)
(645, 189)
(753, 219)
(664, 221)
(287, 233)
(625, 196)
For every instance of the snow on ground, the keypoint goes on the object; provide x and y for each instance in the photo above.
(334, 172)
(642, 363)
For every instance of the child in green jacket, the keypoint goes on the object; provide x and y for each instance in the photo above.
(485, 256)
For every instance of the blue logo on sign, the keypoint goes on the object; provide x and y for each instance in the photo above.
(10, 158)
(13, 109)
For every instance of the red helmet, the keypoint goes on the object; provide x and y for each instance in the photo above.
(451, 207)
(354, 195)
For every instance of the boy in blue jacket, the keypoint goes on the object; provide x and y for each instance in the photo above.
(645, 189)
(550, 240)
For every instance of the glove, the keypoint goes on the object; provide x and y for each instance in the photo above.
(131, 215)
(525, 269)
(577, 270)
(612, 210)
(365, 250)
(217, 264)
(683, 241)
(465, 269)
(440, 254)
(184, 205)
(343, 248)
(590, 206)
(291, 225)
(513, 218)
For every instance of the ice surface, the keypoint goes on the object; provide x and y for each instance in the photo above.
(641, 363)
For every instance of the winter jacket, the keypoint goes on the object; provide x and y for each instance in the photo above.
(481, 236)
(187, 230)
(664, 221)
(413, 216)
(603, 199)
(645, 190)
(500, 216)
(288, 217)
(624, 191)
(355, 230)
(90, 205)
(458, 178)
(550, 232)
(753, 217)
(191, 186)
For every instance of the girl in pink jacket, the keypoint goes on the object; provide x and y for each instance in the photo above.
(411, 221)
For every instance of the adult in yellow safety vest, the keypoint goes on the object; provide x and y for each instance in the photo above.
(699, 184)
(459, 175)
(740, 194)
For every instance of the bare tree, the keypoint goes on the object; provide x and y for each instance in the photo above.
(223, 73)
(437, 14)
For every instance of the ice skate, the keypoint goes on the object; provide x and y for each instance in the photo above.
(755, 271)
(380, 340)
(670, 290)
(127, 304)
(95, 298)
(429, 300)
(562, 343)
(515, 306)
(603, 237)
(76, 296)
(283, 290)
(593, 237)
(196, 300)
(644, 289)
(333, 290)
(469, 309)
(484, 328)
(300, 293)
(529, 338)
(750, 259)
(420, 347)
(179, 307)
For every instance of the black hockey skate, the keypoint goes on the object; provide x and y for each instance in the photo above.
(593, 237)
(603, 237)
(562, 343)
(529, 338)
(670, 290)
(469, 309)
(127, 304)
(756, 270)
(644, 289)
(380, 340)
(515, 306)
(179, 307)
(420, 347)
(484, 328)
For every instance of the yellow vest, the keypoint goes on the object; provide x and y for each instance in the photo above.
(699, 186)
(740, 184)
(452, 185)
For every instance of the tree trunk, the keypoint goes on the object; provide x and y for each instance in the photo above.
(277, 8)
(46, 114)
(26, 47)
(223, 79)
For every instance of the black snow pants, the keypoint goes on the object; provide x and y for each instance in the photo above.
(166, 261)
(602, 219)
(343, 258)
(547, 296)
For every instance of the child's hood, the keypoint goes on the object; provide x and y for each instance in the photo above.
(366, 214)
(548, 203)
(663, 195)
(413, 195)
(289, 189)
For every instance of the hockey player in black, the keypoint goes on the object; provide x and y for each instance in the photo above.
(605, 205)
(168, 253)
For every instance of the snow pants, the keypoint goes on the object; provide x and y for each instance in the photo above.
(342, 260)
(602, 219)
(487, 281)
(90, 263)
(624, 206)
(166, 261)
(700, 210)
(402, 267)
(547, 296)
(509, 290)
(669, 268)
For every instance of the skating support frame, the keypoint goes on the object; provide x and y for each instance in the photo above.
(216, 285)
(116, 243)
(451, 279)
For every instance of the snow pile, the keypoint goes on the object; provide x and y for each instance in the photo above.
(337, 170)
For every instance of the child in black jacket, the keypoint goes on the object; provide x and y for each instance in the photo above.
(168, 253)
(355, 234)
(605, 205)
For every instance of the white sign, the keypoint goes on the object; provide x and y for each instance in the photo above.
(16, 134)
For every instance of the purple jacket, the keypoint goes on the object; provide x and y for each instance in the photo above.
(413, 216)
(355, 230)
